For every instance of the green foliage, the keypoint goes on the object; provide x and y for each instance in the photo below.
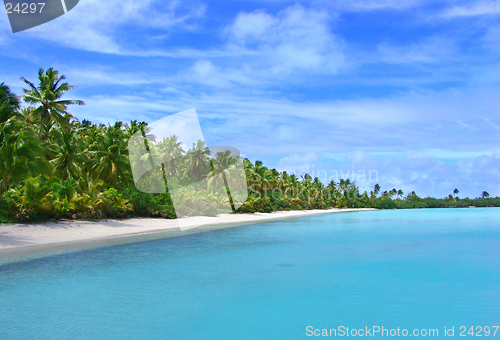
(8, 208)
(163, 202)
(143, 204)
(263, 205)
(54, 166)
(110, 153)
(47, 96)
(34, 199)
(383, 203)
(281, 204)
(114, 205)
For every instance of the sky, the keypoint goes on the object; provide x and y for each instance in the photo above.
(401, 93)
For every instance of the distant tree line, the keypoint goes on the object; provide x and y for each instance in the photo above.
(53, 166)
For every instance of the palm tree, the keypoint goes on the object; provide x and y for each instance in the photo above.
(332, 188)
(18, 157)
(263, 176)
(220, 165)
(92, 134)
(455, 192)
(400, 193)
(307, 184)
(7, 97)
(348, 190)
(35, 195)
(275, 179)
(251, 175)
(197, 165)
(485, 194)
(134, 127)
(68, 155)
(29, 116)
(284, 182)
(293, 182)
(110, 156)
(9, 104)
(47, 95)
(170, 154)
(317, 186)
(343, 185)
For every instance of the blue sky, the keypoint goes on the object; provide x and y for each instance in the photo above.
(409, 90)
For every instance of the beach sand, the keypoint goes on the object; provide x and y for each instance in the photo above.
(18, 240)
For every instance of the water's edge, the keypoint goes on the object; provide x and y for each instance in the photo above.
(26, 253)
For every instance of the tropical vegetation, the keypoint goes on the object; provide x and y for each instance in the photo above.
(54, 166)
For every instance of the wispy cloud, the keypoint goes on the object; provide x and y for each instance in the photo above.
(95, 75)
(451, 121)
(437, 49)
(491, 39)
(476, 8)
(261, 49)
(94, 25)
(370, 5)
(418, 171)
(372, 84)
(297, 38)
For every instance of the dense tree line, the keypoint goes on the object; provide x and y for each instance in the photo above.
(272, 190)
(54, 166)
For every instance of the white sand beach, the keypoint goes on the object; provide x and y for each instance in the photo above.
(35, 238)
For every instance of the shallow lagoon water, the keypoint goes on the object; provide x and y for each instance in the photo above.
(412, 269)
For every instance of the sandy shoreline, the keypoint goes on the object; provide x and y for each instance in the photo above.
(17, 240)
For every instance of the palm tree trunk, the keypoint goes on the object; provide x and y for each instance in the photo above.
(42, 124)
(228, 191)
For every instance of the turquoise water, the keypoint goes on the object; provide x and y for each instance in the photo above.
(413, 269)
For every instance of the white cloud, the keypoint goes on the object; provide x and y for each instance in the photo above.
(475, 8)
(420, 172)
(287, 133)
(262, 50)
(432, 50)
(491, 39)
(93, 25)
(296, 39)
(370, 5)
(207, 73)
(95, 75)
(425, 133)
(429, 176)
(453, 122)
(297, 161)
(272, 84)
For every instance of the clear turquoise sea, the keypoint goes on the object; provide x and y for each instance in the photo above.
(412, 269)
